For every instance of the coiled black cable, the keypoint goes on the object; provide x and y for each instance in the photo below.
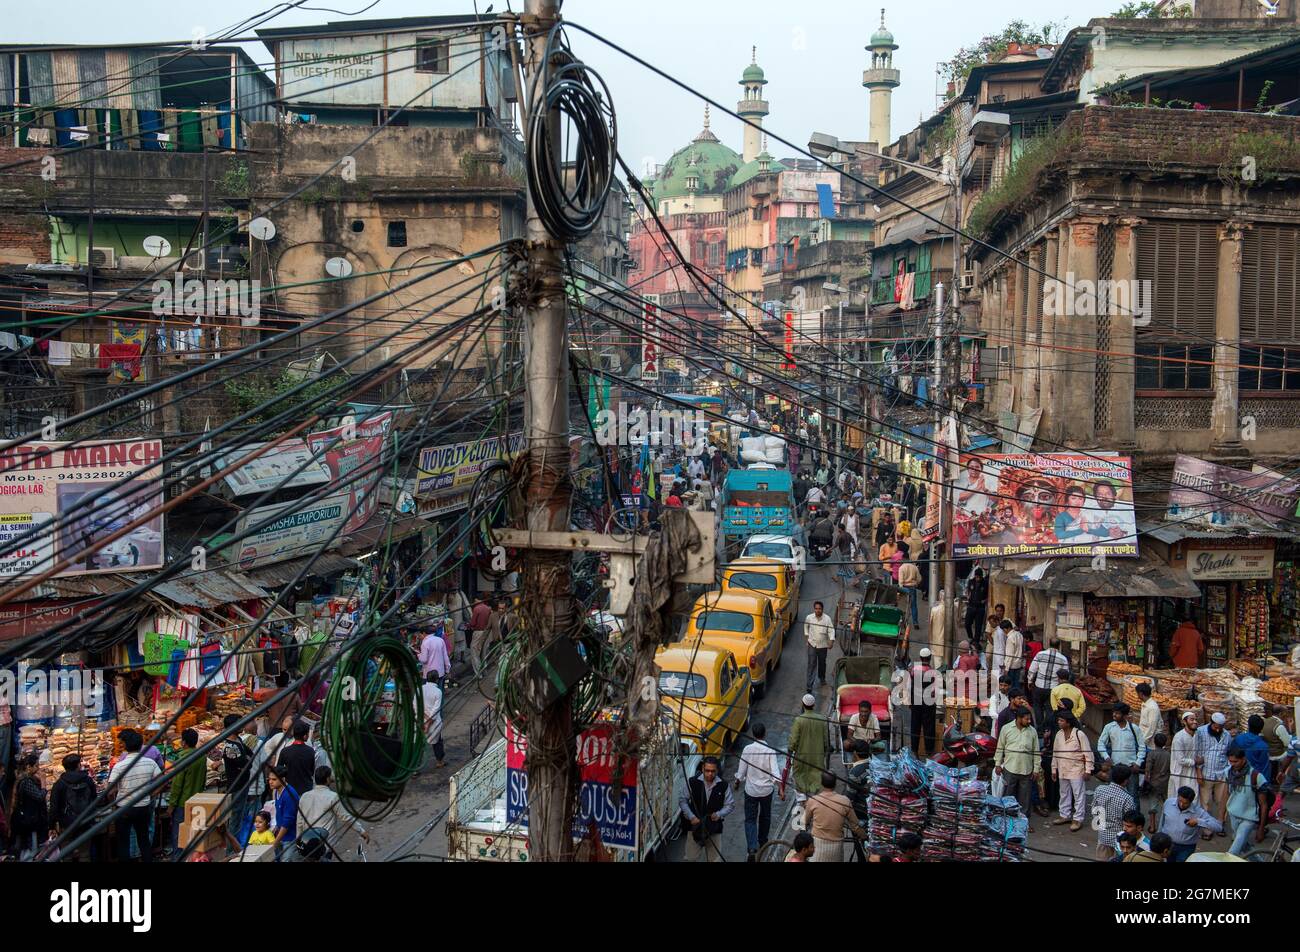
(570, 205)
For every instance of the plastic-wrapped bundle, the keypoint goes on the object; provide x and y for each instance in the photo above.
(955, 830)
(1005, 830)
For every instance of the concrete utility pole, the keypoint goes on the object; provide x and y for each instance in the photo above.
(547, 577)
(954, 374)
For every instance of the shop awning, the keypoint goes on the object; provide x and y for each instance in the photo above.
(282, 573)
(1143, 577)
(210, 589)
(376, 532)
(1176, 531)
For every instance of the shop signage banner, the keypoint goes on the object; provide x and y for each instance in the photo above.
(616, 821)
(649, 344)
(1038, 505)
(42, 482)
(27, 619)
(344, 457)
(271, 471)
(1229, 559)
(298, 532)
(1209, 493)
(458, 464)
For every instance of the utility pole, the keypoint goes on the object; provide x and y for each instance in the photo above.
(951, 463)
(547, 577)
(937, 470)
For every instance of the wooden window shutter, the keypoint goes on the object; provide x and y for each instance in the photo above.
(1270, 283)
(1181, 260)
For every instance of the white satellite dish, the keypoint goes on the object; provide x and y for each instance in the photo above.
(262, 229)
(156, 246)
(338, 267)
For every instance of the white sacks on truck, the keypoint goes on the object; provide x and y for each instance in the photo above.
(762, 449)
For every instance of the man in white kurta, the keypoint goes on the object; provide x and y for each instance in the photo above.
(1182, 757)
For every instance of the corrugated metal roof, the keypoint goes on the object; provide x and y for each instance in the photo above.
(376, 531)
(210, 589)
(1143, 577)
(1177, 531)
(282, 573)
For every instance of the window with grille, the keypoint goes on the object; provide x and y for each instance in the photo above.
(1270, 284)
(1181, 260)
(1269, 369)
(1105, 270)
(1175, 367)
(432, 55)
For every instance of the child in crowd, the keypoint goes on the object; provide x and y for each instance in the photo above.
(262, 835)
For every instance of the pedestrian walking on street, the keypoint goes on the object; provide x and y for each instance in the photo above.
(1155, 772)
(30, 820)
(1016, 760)
(819, 633)
(760, 775)
(1212, 742)
(1044, 675)
(1248, 800)
(809, 745)
(909, 579)
(977, 599)
(1121, 743)
(434, 658)
(707, 803)
(1110, 801)
(923, 700)
(433, 718)
(1184, 821)
(1182, 759)
(1013, 652)
(827, 815)
(1071, 766)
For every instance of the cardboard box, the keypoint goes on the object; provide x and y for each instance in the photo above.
(199, 812)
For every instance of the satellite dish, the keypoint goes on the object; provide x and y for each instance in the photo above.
(156, 246)
(338, 267)
(262, 229)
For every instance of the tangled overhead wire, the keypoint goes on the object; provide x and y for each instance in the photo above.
(570, 200)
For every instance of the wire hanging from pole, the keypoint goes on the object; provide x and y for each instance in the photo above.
(570, 206)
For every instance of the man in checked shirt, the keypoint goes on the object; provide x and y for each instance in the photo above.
(1110, 802)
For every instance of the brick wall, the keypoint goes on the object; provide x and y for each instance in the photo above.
(1183, 137)
(24, 233)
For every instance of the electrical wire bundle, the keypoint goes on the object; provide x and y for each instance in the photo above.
(570, 206)
(375, 683)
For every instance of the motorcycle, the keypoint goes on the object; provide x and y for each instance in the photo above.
(965, 750)
(821, 550)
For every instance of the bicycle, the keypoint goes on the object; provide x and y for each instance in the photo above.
(1281, 845)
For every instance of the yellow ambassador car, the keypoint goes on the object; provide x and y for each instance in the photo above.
(706, 693)
(747, 625)
(757, 575)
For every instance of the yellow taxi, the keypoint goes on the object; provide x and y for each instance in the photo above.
(746, 624)
(706, 693)
(764, 576)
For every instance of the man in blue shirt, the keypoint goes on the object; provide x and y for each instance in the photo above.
(1184, 821)
(1121, 743)
(286, 810)
(1255, 746)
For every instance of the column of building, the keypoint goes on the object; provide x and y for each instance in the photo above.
(1122, 334)
(1225, 416)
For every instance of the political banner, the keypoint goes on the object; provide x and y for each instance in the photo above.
(1213, 494)
(348, 448)
(1041, 505)
(94, 490)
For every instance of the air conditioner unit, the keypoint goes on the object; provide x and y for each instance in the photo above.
(193, 261)
(103, 257)
(968, 280)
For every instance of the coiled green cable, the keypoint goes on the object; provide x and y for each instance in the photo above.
(375, 735)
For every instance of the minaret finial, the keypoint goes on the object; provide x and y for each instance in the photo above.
(882, 17)
(706, 116)
(764, 141)
(753, 59)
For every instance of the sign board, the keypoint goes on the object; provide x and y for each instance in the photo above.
(289, 465)
(27, 619)
(94, 490)
(291, 532)
(1205, 492)
(616, 821)
(1217, 561)
(789, 341)
(455, 465)
(344, 457)
(649, 344)
(1044, 504)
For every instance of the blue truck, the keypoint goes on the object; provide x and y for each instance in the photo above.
(757, 502)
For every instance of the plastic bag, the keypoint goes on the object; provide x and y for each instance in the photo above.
(997, 786)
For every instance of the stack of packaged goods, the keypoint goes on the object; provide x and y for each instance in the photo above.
(898, 802)
(94, 746)
(956, 830)
(1005, 831)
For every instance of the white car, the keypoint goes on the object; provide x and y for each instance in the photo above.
(781, 548)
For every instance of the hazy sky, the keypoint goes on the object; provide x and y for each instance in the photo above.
(812, 51)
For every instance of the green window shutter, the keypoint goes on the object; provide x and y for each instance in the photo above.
(923, 272)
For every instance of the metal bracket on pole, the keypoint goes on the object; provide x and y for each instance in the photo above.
(624, 552)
